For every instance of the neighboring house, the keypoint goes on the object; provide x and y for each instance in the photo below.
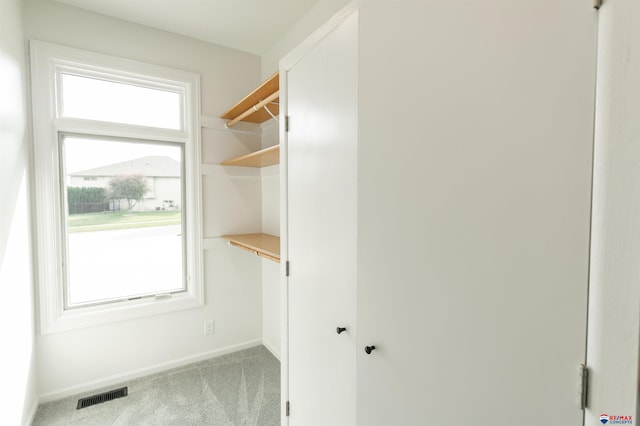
(163, 179)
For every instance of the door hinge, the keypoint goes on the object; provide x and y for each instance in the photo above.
(286, 266)
(286, 123)
(287, 409)
(583, 381)
(597, 4)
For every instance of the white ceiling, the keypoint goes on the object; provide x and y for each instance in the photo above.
(250, 25)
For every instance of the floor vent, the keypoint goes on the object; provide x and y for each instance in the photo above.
(102, 397)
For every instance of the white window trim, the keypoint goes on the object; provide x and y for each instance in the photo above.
(46, 60)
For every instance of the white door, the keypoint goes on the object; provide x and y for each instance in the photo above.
(475, 148)
(322, 168)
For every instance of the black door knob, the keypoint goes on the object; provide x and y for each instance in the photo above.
(341, 329)
(368, 349)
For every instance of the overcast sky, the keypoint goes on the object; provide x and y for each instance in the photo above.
(83, 154)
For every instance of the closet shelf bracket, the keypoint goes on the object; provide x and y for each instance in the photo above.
(270, 113)
(256, 107)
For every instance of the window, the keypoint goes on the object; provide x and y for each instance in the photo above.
(117, 188)
(121, 242)
(94, 98)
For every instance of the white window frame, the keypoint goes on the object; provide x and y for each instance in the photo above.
(47, 62)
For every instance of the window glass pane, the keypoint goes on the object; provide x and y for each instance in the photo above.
(94, 99)
(124, 230)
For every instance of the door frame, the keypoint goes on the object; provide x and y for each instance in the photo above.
(613, 337)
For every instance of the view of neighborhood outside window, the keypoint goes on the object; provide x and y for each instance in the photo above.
(98, 99)
(124, 218)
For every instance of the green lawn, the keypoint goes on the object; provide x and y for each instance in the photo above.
(122, 220)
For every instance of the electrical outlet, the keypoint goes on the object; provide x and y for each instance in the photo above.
(208, 328)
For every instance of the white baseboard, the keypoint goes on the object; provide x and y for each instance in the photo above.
(271, 349)
(32, 412)
(119, 378)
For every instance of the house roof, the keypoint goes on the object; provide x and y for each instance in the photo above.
(152, 166)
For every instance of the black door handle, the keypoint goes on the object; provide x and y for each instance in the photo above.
(369, 349)
(341, 329)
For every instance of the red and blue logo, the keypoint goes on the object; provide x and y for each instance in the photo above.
(616, 420)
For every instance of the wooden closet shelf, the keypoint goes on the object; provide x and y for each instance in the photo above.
(264, 245)
(246, 106)
(263, 158)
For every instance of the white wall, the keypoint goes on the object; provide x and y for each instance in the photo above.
(319, 14)
(614, 293)
(271, 225)
(270, 183)
(271, 307)
(83, 359)
(18, 393)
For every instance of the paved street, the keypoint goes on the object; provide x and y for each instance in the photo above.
(110, 264)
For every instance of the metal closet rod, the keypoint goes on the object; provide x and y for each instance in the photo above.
(255, 108)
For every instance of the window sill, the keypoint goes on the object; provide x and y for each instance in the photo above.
(72, 319)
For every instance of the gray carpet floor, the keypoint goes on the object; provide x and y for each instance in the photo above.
(237, 389)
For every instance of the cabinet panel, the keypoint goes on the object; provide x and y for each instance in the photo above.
(322, 168)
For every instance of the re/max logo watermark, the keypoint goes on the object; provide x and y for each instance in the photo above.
(606, 419)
